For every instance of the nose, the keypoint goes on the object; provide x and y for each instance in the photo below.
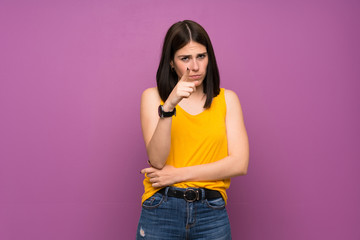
(194, 66)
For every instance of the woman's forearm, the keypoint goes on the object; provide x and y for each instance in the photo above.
(159, 146)
(225, 168)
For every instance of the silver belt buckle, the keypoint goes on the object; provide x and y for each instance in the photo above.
(191, 195)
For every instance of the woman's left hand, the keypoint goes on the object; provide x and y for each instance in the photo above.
(166, 176)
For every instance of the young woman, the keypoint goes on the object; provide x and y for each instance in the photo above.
(195, 139)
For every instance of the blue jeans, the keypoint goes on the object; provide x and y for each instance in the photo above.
(169, 218)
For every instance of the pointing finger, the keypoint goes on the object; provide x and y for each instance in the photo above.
(185, 76)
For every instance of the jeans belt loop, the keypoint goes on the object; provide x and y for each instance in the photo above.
(195, 195)
(202, 191)
(166, 193)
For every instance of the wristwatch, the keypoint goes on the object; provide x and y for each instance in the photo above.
(163, 114)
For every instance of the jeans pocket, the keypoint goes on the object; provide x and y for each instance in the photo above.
(154, 201)
(216, 203)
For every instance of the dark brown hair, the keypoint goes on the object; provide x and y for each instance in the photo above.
(178, 35)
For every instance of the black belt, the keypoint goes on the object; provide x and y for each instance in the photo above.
(191, 194)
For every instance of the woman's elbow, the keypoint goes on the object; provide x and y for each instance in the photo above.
(240, 172)
(243, 172)
(242, 166)
(156, 162)
(157, 165)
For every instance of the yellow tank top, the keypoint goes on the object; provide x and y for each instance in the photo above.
(197, 139)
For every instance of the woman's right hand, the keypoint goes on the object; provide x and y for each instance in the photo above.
(183, 89)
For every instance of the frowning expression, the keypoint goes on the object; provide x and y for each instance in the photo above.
(193, 56)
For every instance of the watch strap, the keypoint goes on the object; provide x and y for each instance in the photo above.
(163, 114)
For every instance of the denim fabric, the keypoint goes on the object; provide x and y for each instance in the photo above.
(168, 218)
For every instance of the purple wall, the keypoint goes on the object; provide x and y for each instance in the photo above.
(71, 76)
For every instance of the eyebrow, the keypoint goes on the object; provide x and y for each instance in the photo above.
(180, 56)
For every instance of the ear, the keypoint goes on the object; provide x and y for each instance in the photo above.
(172, 64)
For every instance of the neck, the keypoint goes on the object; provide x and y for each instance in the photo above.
(199, 90)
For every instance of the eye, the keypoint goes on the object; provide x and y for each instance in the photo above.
(184, 59)
(201, 56)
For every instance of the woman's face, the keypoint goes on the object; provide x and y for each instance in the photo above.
(193, 56)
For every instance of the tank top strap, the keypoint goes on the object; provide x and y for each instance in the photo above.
(219, 103)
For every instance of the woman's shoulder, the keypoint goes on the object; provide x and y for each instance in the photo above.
(229, 94)
(151, 91)
(150, 94)
(231, 98)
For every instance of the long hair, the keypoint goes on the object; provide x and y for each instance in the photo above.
(178, 35)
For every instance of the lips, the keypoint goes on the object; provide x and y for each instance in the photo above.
(195, 76)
